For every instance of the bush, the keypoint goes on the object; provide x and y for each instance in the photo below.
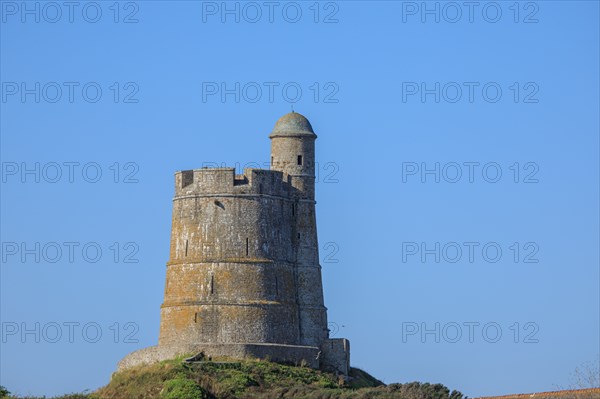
(182, 388)
(417, 390)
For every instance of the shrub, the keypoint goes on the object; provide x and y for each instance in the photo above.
(182, 388)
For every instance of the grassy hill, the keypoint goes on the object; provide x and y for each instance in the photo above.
(175, 379)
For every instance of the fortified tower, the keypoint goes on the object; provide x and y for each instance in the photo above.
(243, 277)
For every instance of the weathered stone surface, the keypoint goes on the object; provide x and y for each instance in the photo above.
(336, 355)
(300, 355)
(243, 277)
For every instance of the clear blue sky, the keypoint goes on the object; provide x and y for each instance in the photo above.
(375, 213)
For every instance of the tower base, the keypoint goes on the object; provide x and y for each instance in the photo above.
(334, 355)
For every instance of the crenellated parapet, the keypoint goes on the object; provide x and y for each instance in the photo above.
(224, 181)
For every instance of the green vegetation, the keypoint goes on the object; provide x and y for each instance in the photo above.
(174, 379)
(182, 388)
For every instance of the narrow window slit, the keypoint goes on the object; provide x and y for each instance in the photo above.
(247, 247)
(299, 159)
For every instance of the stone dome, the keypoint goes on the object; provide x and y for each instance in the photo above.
(292, 124)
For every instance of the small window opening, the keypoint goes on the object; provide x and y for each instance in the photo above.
(298, 235)
(212, 284)
(272, 161)
(186, 247)
(196, 317)
(299, 159)
(276, 287)
(247, 247)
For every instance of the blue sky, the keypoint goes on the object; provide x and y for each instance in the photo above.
(103, 103)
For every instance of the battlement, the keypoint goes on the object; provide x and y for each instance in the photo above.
(224, 181)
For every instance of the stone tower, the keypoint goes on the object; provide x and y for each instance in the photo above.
(243, 276)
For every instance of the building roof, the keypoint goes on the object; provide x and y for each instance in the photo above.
(292, 125)
(589, 393)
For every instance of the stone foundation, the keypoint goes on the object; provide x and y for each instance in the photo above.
(292, 354)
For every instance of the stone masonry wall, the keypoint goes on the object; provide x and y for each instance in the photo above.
(231, 277)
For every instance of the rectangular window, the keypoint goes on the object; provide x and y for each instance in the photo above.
(186, 247)
(299, 159)
(247, 247)
(272, 159)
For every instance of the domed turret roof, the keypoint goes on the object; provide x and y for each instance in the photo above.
(292, 124)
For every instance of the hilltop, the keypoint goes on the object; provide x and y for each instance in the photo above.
(175, 379)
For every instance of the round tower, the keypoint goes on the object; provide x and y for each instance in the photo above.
(243, 277)
(293, 153)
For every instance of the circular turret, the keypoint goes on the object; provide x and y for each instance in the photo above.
(293, 152)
